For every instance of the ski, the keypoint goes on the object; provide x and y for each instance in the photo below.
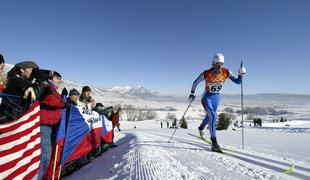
(207, 141)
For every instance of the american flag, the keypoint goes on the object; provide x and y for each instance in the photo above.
(20, 147)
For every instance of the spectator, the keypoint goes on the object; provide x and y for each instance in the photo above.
(115, 118)
(161, 124)
(51, 106)
(99, 108)
(2, 76)
(73, 97)
(167, 124)
(85, 100)
(21, 91)
(107, 112)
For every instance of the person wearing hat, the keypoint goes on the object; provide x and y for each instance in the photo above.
(2, 77)
(73, 97)
(51, 103)
(85, 100)
(21, 90)
(214, 80)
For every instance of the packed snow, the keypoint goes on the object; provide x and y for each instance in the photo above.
(144, 153)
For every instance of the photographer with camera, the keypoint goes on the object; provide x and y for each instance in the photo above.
(85, 100)
(19, 91)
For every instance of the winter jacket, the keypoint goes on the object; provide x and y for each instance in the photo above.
(51, 105)
(115, 119)
(17, 85)
(102, 111)
(87, 103)
(15, 105)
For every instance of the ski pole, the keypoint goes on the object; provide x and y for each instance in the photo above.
(242, 107)
(180, 120)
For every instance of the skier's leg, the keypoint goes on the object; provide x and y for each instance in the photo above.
(212, 124)
(207, 105)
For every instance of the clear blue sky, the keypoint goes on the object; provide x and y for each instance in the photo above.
(162, 45)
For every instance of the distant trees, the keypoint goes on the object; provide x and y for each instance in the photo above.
(257, 121)
(183, 123)
(229, 110)
(171, 116)
(262, 111)
(223, 121)
(135, 114)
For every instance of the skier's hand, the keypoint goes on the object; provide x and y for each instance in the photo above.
(191, 97)
(241, 71)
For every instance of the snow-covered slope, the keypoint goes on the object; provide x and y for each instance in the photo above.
(144, 153)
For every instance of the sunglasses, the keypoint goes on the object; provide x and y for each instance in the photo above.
(218, 64)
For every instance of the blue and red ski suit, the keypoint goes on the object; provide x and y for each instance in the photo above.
(214, 80)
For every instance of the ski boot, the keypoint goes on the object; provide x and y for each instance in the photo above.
(215, 146)
(201, 133)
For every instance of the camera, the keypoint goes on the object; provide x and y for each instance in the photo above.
(41, 75)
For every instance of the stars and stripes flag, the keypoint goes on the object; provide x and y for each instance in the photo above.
(20, 147)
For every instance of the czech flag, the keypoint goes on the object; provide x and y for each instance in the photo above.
(107, 130)
(82, 135)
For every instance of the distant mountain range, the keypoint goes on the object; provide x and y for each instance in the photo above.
(141, 92)
(118, 91)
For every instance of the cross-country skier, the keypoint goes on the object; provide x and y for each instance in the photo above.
(214, 79)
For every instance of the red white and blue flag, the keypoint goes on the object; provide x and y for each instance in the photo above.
(57, 148)
(20, 147)
(82, 135)
(107, 130)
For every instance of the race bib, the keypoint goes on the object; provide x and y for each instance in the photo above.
(215, 88)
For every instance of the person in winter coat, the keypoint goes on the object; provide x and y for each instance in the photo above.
(2, 76)
(51, 107)
(116, 118)
(19, 91)
(214, 79)
(73, 97)
(85, 100)
(99, 108)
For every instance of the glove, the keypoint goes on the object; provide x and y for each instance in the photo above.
(241, 71)
(119, 130)
(64, 92)
(191, 97)
(29, 93)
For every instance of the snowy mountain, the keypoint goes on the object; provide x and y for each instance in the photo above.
(139, 91)
(126, 92)
(118, 91)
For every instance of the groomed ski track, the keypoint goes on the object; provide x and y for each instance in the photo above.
(148, 155)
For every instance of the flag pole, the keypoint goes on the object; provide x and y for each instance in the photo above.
(242, 108)
(54, 169)
(59, 172)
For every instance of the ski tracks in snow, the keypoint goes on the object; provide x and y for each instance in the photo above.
(151, 157)
(148, 155)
